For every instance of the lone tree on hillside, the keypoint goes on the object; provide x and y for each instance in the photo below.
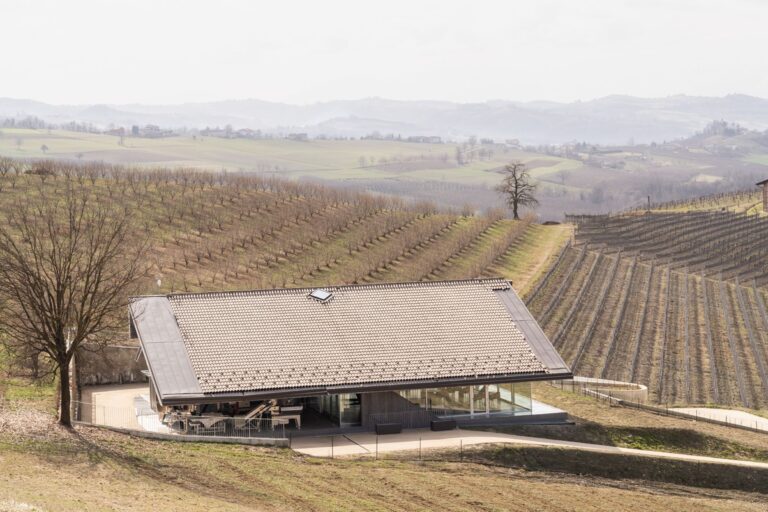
(68, 262)
(517, 187)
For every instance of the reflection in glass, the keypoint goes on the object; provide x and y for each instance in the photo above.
(479, 401)
(523, 395)
(415, 396)
(501, 398)
(453, 400)
(349, 405)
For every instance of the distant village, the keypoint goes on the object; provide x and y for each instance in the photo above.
(718, 138)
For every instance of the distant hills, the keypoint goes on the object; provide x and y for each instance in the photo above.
(608, 120)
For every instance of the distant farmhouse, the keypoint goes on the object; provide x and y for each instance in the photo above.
(425, 139)
(151, 131)
(364, 357)
(764, 184)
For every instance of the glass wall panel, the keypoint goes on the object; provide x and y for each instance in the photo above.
(501, 398)
(479, 401)
(523, 395)
(504, 398)
(415, 396)
(329, 405)
(449, 400)
(349, 405)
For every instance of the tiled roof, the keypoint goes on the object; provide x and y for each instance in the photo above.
(382, 333)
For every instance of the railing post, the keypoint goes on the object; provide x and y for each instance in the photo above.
(332, 446)
(377, 447)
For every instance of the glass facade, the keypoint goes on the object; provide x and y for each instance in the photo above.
(349, 410)
(344, 410)
(479, 398)
(501, 398)
(504, 398)
(523, 396)
(415, 396)
(456, 400)
(482, 399)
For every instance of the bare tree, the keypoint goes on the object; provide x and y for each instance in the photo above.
(67, 266)
(517, 188)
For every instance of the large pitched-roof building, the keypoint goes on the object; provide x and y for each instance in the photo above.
(354, 353)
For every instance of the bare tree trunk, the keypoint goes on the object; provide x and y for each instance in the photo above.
(65, 395)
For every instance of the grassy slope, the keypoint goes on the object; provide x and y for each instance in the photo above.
(538, 249)
(600, 423)
(124, 473)
(118, 472)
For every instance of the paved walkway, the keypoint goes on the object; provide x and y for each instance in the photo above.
(112, 405)
(365, 444)
(730, 415)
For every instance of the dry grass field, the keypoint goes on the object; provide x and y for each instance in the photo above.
(91, 469)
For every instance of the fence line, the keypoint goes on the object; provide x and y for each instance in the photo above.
(141, 418)
(585, 388)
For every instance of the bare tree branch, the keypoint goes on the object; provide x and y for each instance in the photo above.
(68, 262)
(517, 188)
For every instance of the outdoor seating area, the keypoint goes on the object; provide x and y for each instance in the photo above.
(265, 417)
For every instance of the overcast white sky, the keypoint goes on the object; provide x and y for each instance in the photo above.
(174, 51)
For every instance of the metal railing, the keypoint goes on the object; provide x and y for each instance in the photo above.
(600, 390)
(144, 419)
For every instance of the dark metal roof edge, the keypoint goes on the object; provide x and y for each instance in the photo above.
(358, 388)
(532, 332)
(147, 358)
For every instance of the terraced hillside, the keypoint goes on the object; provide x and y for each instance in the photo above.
(676, 301)
(740, 201)
(717, 243)
(218, 231)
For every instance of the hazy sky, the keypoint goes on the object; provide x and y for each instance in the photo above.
(168, 51)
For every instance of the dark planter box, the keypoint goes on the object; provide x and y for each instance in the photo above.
(389, 428)
(438, 425)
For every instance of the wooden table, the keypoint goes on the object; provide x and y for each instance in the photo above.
(284, 419)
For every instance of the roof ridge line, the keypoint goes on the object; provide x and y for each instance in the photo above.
(307, 289)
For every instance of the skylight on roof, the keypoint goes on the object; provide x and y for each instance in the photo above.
(321, 295)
